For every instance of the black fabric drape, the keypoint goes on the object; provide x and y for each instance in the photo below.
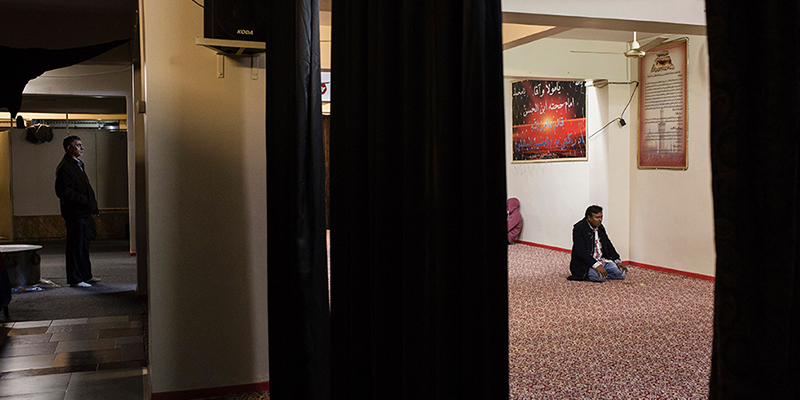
(755, 154)
(419, 304)
(299, 321)
(19, 66)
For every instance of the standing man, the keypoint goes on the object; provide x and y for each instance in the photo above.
(77, 205)
(592, 251)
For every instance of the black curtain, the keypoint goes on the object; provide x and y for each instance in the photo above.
(299, 320)
(419, 304)
(755, 154)
(19, 66)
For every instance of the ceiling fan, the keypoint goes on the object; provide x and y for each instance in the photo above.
(637, 51)
(634, 49)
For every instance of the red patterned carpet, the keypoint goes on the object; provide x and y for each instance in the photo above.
(646, 337)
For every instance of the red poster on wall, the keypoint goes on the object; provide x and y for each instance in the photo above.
(663, 106)
(549, 120)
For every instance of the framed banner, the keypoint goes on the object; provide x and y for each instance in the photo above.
(663, 106)
(548, 120)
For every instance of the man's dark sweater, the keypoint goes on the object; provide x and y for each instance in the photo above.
(74, 191)
(583, 248)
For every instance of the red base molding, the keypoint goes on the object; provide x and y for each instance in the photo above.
(211, 392)
(671, 271)
(544, 246)
(133, 253)
(634, 263)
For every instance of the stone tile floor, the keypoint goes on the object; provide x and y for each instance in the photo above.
(83, 358)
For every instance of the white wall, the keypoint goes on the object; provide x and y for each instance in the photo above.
(33, 172)
(33, 169)
(98, 80)
(554, 195)
(111, 168)
(656, 217)
(672, 219)
(206, 175)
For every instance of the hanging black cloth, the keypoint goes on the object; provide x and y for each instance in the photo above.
(39, 133)
(753, 54)
(5, 289)
(299, 319)
(19, 66)
(419, 288)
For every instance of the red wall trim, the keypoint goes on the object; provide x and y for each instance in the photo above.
(634, 263)
(211, 392)
(672, 271)
(544, 246)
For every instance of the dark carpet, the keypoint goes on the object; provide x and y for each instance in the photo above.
(114, 295)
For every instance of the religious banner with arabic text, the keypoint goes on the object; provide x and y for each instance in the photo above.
(549, 120)
(663, 106)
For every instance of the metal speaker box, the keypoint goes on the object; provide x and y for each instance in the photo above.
(235, 20)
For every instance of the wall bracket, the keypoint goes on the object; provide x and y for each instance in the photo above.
(233, 47)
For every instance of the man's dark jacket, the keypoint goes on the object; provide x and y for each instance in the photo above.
(583, 247)
(74, 190)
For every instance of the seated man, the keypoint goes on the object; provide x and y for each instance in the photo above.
(514, 219)
(592, 251)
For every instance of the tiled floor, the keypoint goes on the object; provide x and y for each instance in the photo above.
(84, 358)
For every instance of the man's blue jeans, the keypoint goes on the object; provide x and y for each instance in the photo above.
(612, 269)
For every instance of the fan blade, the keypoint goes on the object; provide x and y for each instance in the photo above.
(593, 52)
(653, 43)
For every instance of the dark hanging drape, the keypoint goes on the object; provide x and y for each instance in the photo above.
(299, 321)
(419, 305)
(19, 66)
(755, 154)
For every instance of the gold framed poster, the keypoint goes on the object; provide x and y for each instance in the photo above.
(663, 133)
(548, 120)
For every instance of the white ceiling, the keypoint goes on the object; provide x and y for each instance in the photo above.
(58, 24)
